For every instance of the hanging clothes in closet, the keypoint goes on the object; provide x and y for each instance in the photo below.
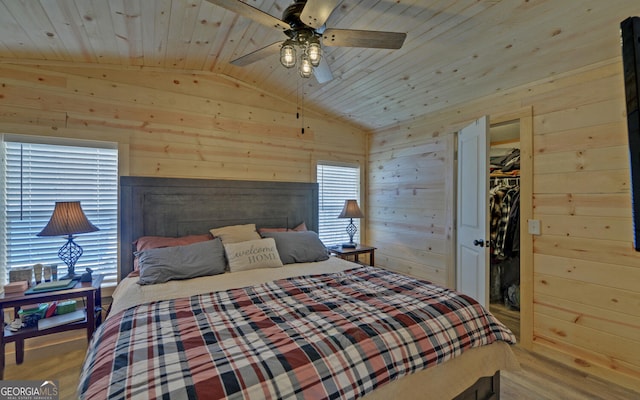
(504, 205)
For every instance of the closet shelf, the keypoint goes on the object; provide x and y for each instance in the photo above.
(503, 175)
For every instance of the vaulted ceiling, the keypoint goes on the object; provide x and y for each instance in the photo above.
(456, 50)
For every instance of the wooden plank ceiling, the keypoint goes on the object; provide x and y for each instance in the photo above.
(455, 50)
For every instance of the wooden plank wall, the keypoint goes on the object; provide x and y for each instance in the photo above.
(409, 215)
(175, 124)
(585, 271)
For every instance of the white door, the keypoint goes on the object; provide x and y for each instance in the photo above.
(472, 253)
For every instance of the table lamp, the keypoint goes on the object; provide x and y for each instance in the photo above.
(68, 219)
(351, 211)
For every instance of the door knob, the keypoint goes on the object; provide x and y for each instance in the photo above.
(478, 242)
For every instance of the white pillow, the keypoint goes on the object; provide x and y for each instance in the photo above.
(236, 233)
(252, 254)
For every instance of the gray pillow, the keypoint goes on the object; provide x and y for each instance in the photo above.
(181, 262)
(298, 247)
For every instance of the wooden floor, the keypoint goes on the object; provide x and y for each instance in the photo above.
(540, 378)
(544, 379)
(509, 317)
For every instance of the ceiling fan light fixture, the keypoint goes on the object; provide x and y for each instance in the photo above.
(305, 66)
(288, 54)
(304, 23)
(314, 52)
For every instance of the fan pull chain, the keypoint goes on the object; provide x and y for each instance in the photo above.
(300, 106)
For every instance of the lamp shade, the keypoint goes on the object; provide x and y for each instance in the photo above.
(314, 51)
(351, 210)
(305, 66)
(288, 54)
(67, 219)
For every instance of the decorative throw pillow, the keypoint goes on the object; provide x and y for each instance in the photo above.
(299, 247)
(301, 227)
(181, 262)
(252, 254)
(236, 233)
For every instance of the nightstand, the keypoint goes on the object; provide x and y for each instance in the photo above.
(348, 253)
(88, 291)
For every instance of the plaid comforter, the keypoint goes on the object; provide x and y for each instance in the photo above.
(337, 335)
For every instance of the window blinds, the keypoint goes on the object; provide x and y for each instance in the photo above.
(38, 175)
(336, 184)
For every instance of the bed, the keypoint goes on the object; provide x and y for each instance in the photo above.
(320, 329)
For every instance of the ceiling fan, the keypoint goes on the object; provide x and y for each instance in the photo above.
(304, 24)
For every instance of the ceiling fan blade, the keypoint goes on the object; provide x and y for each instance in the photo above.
(251, 12)
(316, 12)
(322, 72)
(355, 38)
(273, 48)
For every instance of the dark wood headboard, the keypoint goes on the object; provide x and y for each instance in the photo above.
(177, 207)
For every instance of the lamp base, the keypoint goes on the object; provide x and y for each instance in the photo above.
(349, 245)
(70, 252)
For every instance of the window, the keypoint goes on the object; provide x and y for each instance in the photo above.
(35, 176)
(336, 184)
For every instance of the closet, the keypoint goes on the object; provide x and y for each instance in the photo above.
(504, 222)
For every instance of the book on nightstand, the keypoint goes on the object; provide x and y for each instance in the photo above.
(16, 287)
(46, 286)
(62, 319)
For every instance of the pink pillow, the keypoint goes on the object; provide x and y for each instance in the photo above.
(301, 227)
(155, 242)
(264, 230)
